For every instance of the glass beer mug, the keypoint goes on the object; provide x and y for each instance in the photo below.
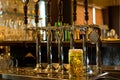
(76, 63)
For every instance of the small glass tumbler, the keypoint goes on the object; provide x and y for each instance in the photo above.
(76, 63)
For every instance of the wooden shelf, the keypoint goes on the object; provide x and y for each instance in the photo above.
(65, 43)
(8, 43)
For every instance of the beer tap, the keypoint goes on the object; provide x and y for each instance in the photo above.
(60, 8)
(94, 38)
(49, 67)
(60, 37)
(74, 11)
(38, 68)
(49, 13)
(73, 25)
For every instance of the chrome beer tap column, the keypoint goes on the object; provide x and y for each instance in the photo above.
(38, 68)
(73, 25)
(98, 54)
(94, 38)
(49, 54)
(60, 37)
(84, 41)
(60, 51)
(84, 36)
(49, 68)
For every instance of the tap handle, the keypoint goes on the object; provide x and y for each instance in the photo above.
(86, 10)
(36, 11)
(74, 10)
(25, 12)
(60, 6)
(49, 11)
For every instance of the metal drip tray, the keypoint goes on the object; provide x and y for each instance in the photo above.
(113, 73)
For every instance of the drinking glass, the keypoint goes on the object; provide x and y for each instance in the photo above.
(76, 62)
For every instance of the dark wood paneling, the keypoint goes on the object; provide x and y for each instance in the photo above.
(66, 11)
(114, 18)
(111, 17)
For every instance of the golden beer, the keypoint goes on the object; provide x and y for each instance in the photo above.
(76, 62)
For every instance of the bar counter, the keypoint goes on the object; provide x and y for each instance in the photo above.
(108, 48)
(109, 73)
(29, 74)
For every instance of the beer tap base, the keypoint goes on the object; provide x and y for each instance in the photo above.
(38, 68)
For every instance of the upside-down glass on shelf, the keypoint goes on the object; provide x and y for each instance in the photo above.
(76, 63)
